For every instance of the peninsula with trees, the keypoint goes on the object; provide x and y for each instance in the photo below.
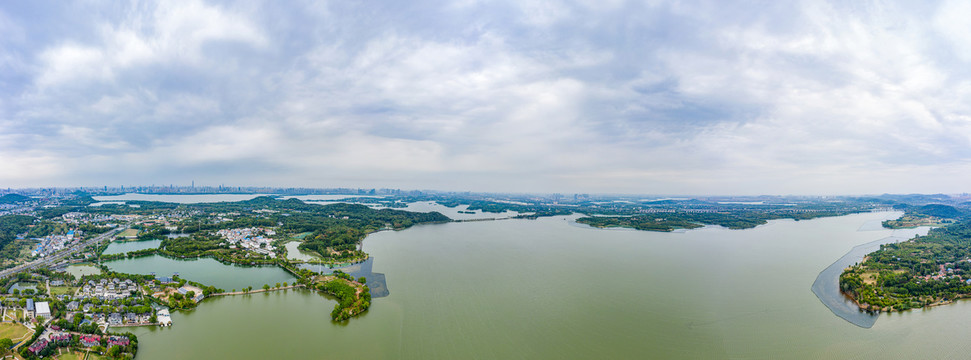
(928, 270)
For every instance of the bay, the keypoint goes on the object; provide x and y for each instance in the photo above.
(548, 289)
(204, 270)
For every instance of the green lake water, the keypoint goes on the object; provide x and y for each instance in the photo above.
(293, 253)
(204, 270)
(552, 289)
(121, 247)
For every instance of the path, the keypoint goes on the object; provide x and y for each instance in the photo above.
(258, 290)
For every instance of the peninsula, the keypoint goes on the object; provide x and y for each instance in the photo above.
(925, 271)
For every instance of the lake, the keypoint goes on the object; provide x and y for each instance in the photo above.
(204, 270)
(453, 213)
(121, 247)
(548, 289)
(21, 287)
(293, 253)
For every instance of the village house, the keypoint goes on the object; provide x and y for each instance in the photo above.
(38, 346)
(60, 337)
(90, 340)
(118, 340)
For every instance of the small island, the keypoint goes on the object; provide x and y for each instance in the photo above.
(727, 217)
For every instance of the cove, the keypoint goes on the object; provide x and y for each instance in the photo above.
(204, 270)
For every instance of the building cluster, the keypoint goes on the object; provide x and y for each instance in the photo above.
(254, 239)
(11, 209)
(53, 243)
(114, 318)
(41, 308)
(105, 301)
(56, 338)
(106, 289)
(197, 293)
(84, 218)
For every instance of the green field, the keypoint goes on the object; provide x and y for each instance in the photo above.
(13, 315)
(127, 233)
(71, 355)
(12, 331)
(62, 290)
(300, 236)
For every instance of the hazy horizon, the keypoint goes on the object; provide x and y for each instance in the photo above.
(803, 98)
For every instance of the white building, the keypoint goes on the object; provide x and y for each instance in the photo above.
(43, 309)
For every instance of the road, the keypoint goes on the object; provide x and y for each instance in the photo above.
(64, 253)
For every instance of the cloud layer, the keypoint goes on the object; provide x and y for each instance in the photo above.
(527, 96)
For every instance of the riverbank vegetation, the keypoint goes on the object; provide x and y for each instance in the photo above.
(924, 271)
(353, 297)
(669, 221)
(926, 215)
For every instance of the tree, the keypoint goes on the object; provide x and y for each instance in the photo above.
(266, 286)
(5, 345)
(277, 284)
(362, 280)
(114, 351)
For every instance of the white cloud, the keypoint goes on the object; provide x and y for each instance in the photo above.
(809, 97)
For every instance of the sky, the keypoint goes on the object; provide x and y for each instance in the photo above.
(606, 96)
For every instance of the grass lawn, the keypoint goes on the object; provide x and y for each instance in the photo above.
(62, 290)
(128, 232)
(70, 355)
(11, 315)
(12, 331)
(93, 356)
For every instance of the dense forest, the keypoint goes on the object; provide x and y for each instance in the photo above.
(13, 199)
(668, 221)
(10, 227)
(926, 215)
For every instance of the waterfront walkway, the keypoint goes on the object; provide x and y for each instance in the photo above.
(258, 290)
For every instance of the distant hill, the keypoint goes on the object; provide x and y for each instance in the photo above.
(938, 210)
(917, 199)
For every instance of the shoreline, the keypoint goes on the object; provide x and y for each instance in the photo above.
(827, 290)
(230, 293)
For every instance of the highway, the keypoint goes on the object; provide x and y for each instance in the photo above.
(64, 253)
